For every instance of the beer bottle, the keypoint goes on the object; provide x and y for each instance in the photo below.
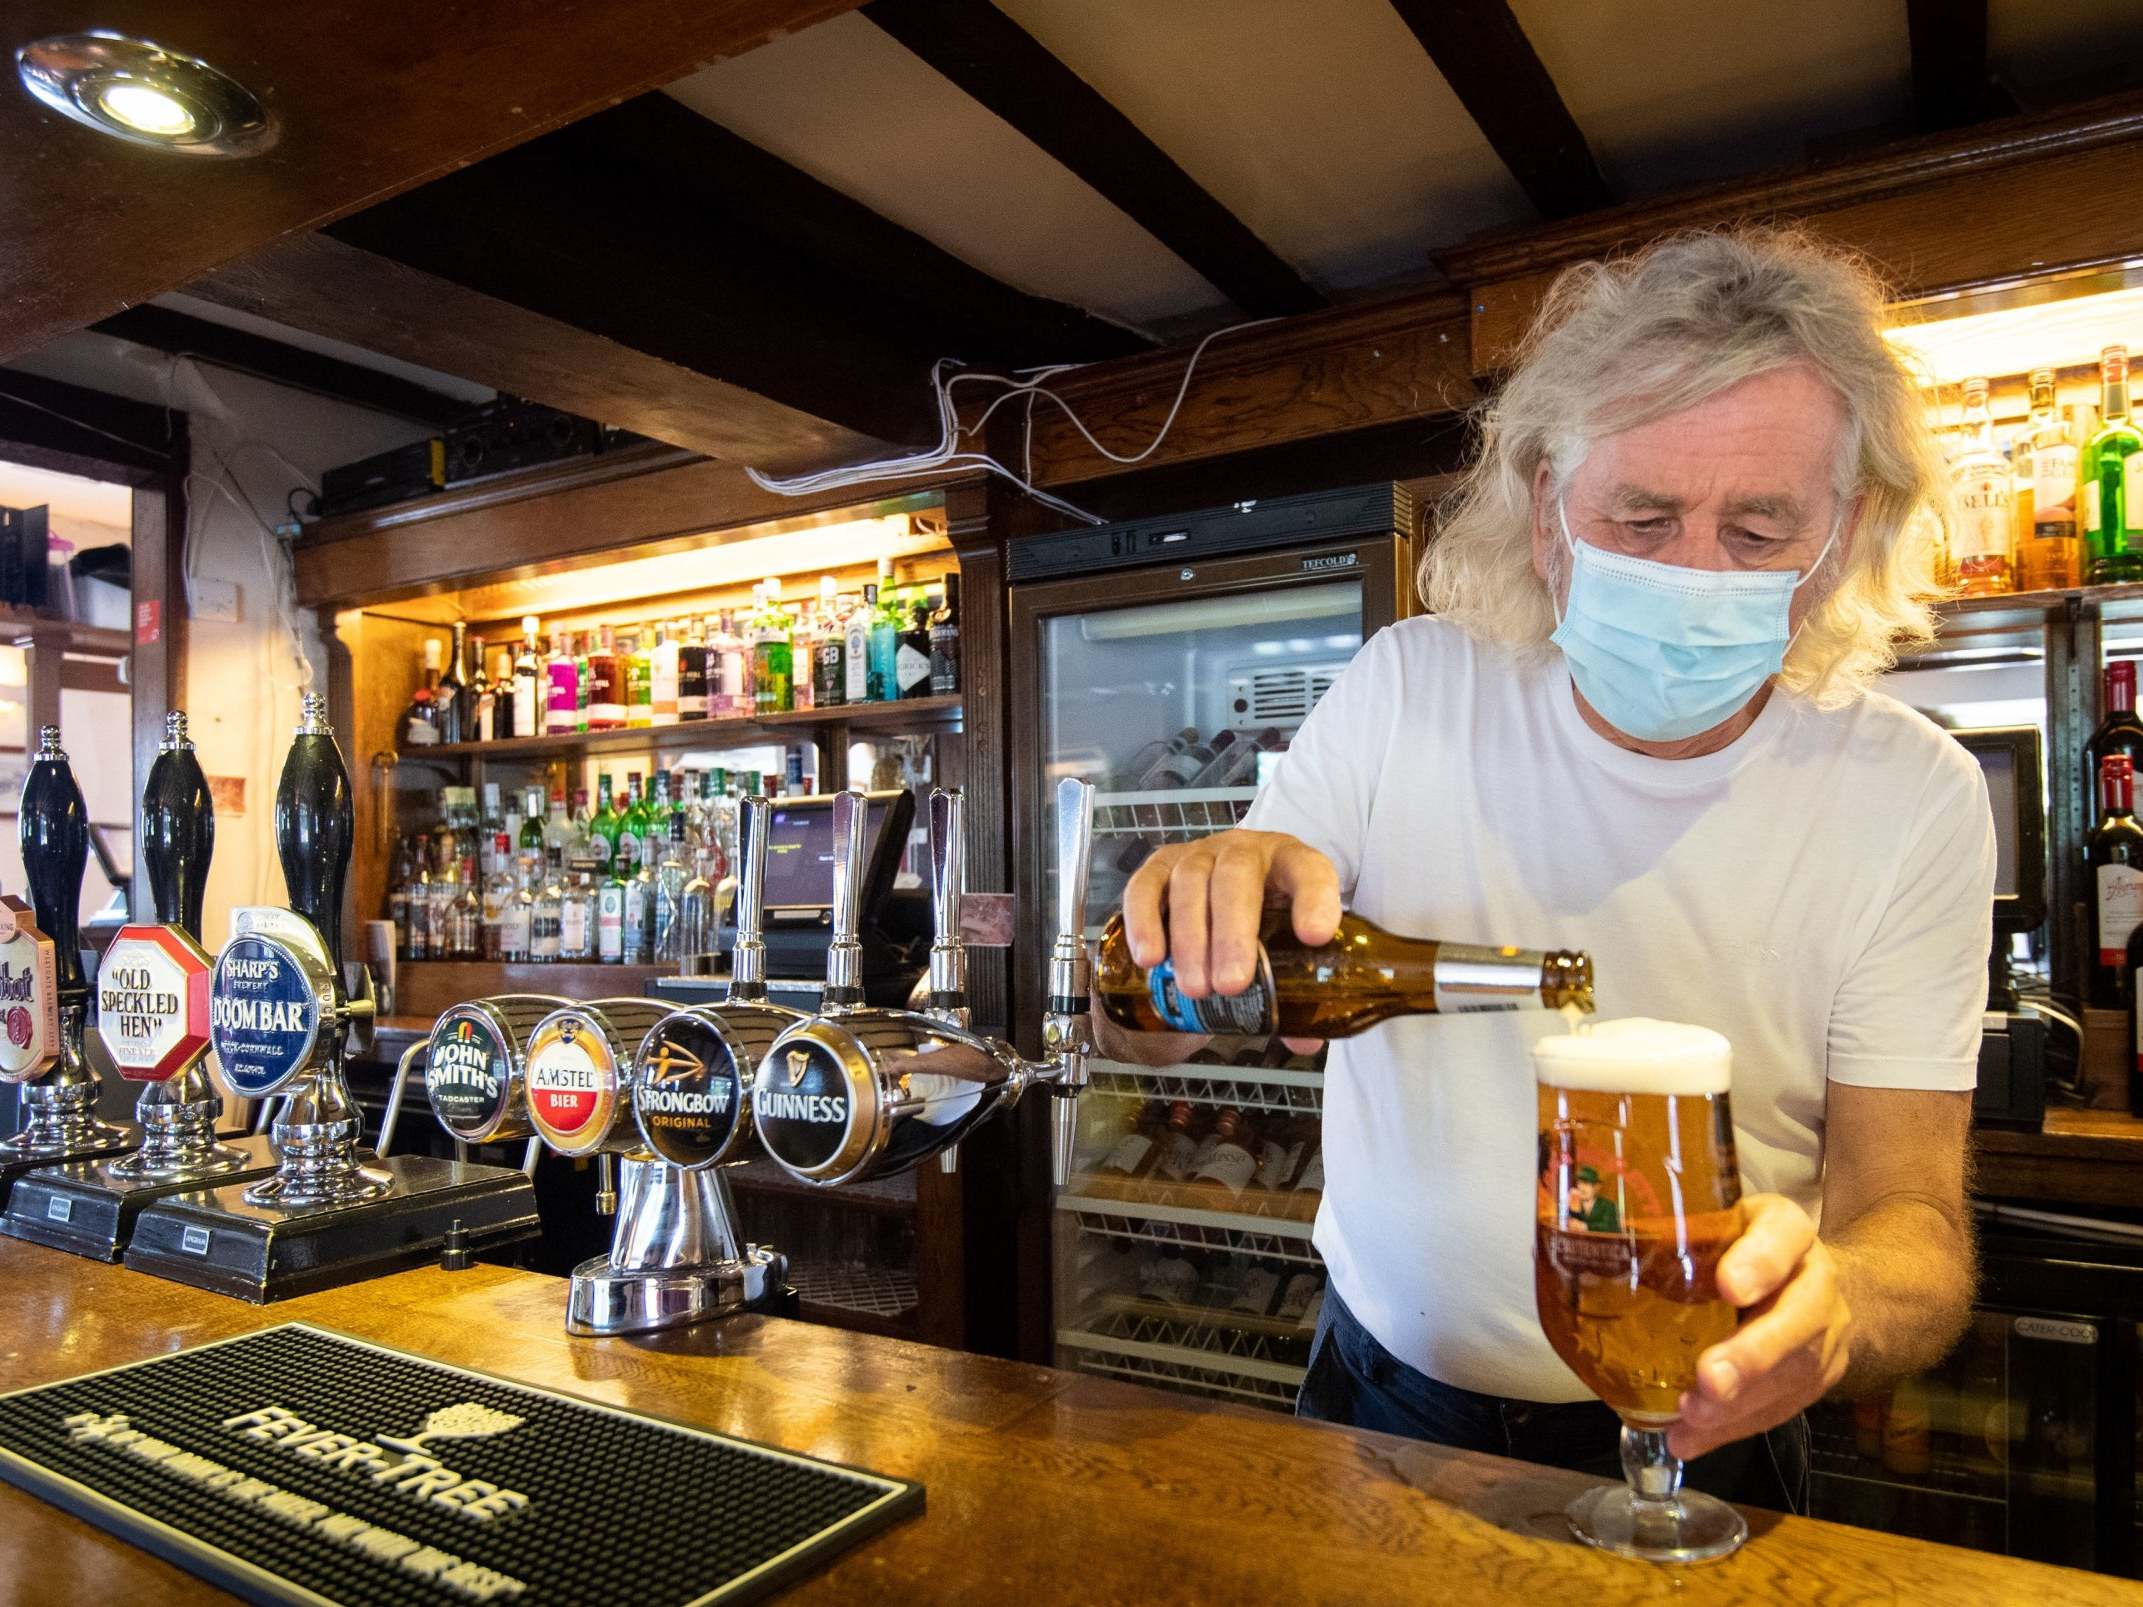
(1338, 989)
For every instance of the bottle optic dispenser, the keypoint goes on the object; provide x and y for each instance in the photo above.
(152, 1016)
(857, 1092)
(282, 1021)
(42, 961)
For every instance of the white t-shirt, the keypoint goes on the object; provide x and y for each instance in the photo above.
(1819, 891)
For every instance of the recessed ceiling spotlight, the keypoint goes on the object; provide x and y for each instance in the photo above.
(145, 94)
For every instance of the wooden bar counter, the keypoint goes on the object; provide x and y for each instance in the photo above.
(1044, 1486)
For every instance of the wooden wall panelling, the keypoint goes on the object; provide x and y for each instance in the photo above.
(1322, 374)
(1933, 216)
(373, 98)
(564, 519)
(374, 665)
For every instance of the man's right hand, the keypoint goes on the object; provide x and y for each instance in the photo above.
(1200, 904)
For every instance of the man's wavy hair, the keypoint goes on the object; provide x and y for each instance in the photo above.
(1623, 342)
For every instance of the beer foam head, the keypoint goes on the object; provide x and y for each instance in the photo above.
(1637, 1055)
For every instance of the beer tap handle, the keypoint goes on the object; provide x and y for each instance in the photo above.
(948, 951)
(747, 961)
(844, 955)
(1064, 1025)
(178, 829)
(315, 823)
(54, 833)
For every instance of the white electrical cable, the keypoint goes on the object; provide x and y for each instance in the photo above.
(948, 454)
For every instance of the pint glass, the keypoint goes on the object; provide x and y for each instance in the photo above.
(1638, 1197)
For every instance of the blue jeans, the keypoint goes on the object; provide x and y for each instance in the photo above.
(1352, 1379)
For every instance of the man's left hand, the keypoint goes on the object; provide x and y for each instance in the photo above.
(1795, 1337)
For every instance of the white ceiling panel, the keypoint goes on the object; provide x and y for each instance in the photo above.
(854, 109)
(1673, 92)
(1324, 127)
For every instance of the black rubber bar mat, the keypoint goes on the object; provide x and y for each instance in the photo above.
(300, 1465)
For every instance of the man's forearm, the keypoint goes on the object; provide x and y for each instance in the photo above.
(1112, 1042)
(1907, 1270)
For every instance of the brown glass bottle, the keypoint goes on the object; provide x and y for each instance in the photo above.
(1363, 976)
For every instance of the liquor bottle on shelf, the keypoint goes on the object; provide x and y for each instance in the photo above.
(669, 892)
(547, 923)
(773, 664)
(856, 647)
(692, 676)
(420, 721)
(1180, 1141)
(528, 695)
(945, 640)
(1235, 761)
(502, 725)
(1136, 1152)
(583, 679)
(481, 725)
(577, 913)
(1980, 540)
(610, 917)
(1363, 976)
(639, 681)
(1280, 1152)
(639, 915)
(2110, 480)
(603, 824)
(488, 827)
(517, 931)
(499, 889)
(803, 653)
(884, 648)
(2114, 854)
(662, 678)
(448, 697)
(1257, 1292)
(557, 827)
(465, 917)
(401, 872)
(829, 656)
(530, 841)
(560, 686)
(2049, 553)
(911, 651)
(632, 827)
(2120, 731)
(1176, 765)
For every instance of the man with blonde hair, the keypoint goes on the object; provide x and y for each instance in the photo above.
(1637, 721)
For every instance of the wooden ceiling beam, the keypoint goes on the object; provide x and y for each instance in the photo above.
(183, 335)
(1004, 67)
(372, 99)
(49, 424)
(1949, 62)
(326, 287)
(1498, 77)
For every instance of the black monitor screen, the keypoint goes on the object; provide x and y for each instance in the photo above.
(799, 851)
(2000, 768)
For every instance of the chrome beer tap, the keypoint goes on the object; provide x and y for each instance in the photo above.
(857, 1092)
(61, 1102)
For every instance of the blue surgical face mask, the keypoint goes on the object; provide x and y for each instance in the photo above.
(1663, 652)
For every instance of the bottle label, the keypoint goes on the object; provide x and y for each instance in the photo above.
(2120, 911)
(1230, 1165)
(419, 733)
(855, 665)
(2053, 472)
(2090, 504)
(1130, 1150)
(2132, 491)
(1260, 1284)
(911, 669)
(610, 924)
(573, 927)
(1983, 518)
(1178, 1155)
(1296, 1304)
(1279, 1164)
(1247, 1014)
(1312, 1179)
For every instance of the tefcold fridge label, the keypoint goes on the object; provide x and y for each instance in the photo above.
(2120, 910)
(2064, 1333)
(1247, 1014)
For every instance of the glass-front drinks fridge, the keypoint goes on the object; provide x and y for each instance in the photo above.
(1170, 662)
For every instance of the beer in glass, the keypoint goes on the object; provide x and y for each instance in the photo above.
(1637, 1198)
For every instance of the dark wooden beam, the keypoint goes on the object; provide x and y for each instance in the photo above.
(51, 424)
(182, 334)
(320, 284)
(1492, 67)
(372, 98)
(996, 61)
(1949, 62)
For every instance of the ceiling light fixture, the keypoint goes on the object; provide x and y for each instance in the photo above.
(144, 94)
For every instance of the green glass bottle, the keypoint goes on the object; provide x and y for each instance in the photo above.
(632, 829)
(2110, 481)
(639, 682)
(603, 826)
(658, 811)
(773, 657)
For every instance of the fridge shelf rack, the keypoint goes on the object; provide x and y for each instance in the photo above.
(850, 1286)
(1171, 814)
(1216, 1372)
(1271, 1088)
(1276, 1238)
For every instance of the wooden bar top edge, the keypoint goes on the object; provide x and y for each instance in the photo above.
(1043, 1485)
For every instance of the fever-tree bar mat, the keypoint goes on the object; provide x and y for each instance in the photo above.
(299, 1465)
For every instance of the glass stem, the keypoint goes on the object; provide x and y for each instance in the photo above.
(1654, 1472)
